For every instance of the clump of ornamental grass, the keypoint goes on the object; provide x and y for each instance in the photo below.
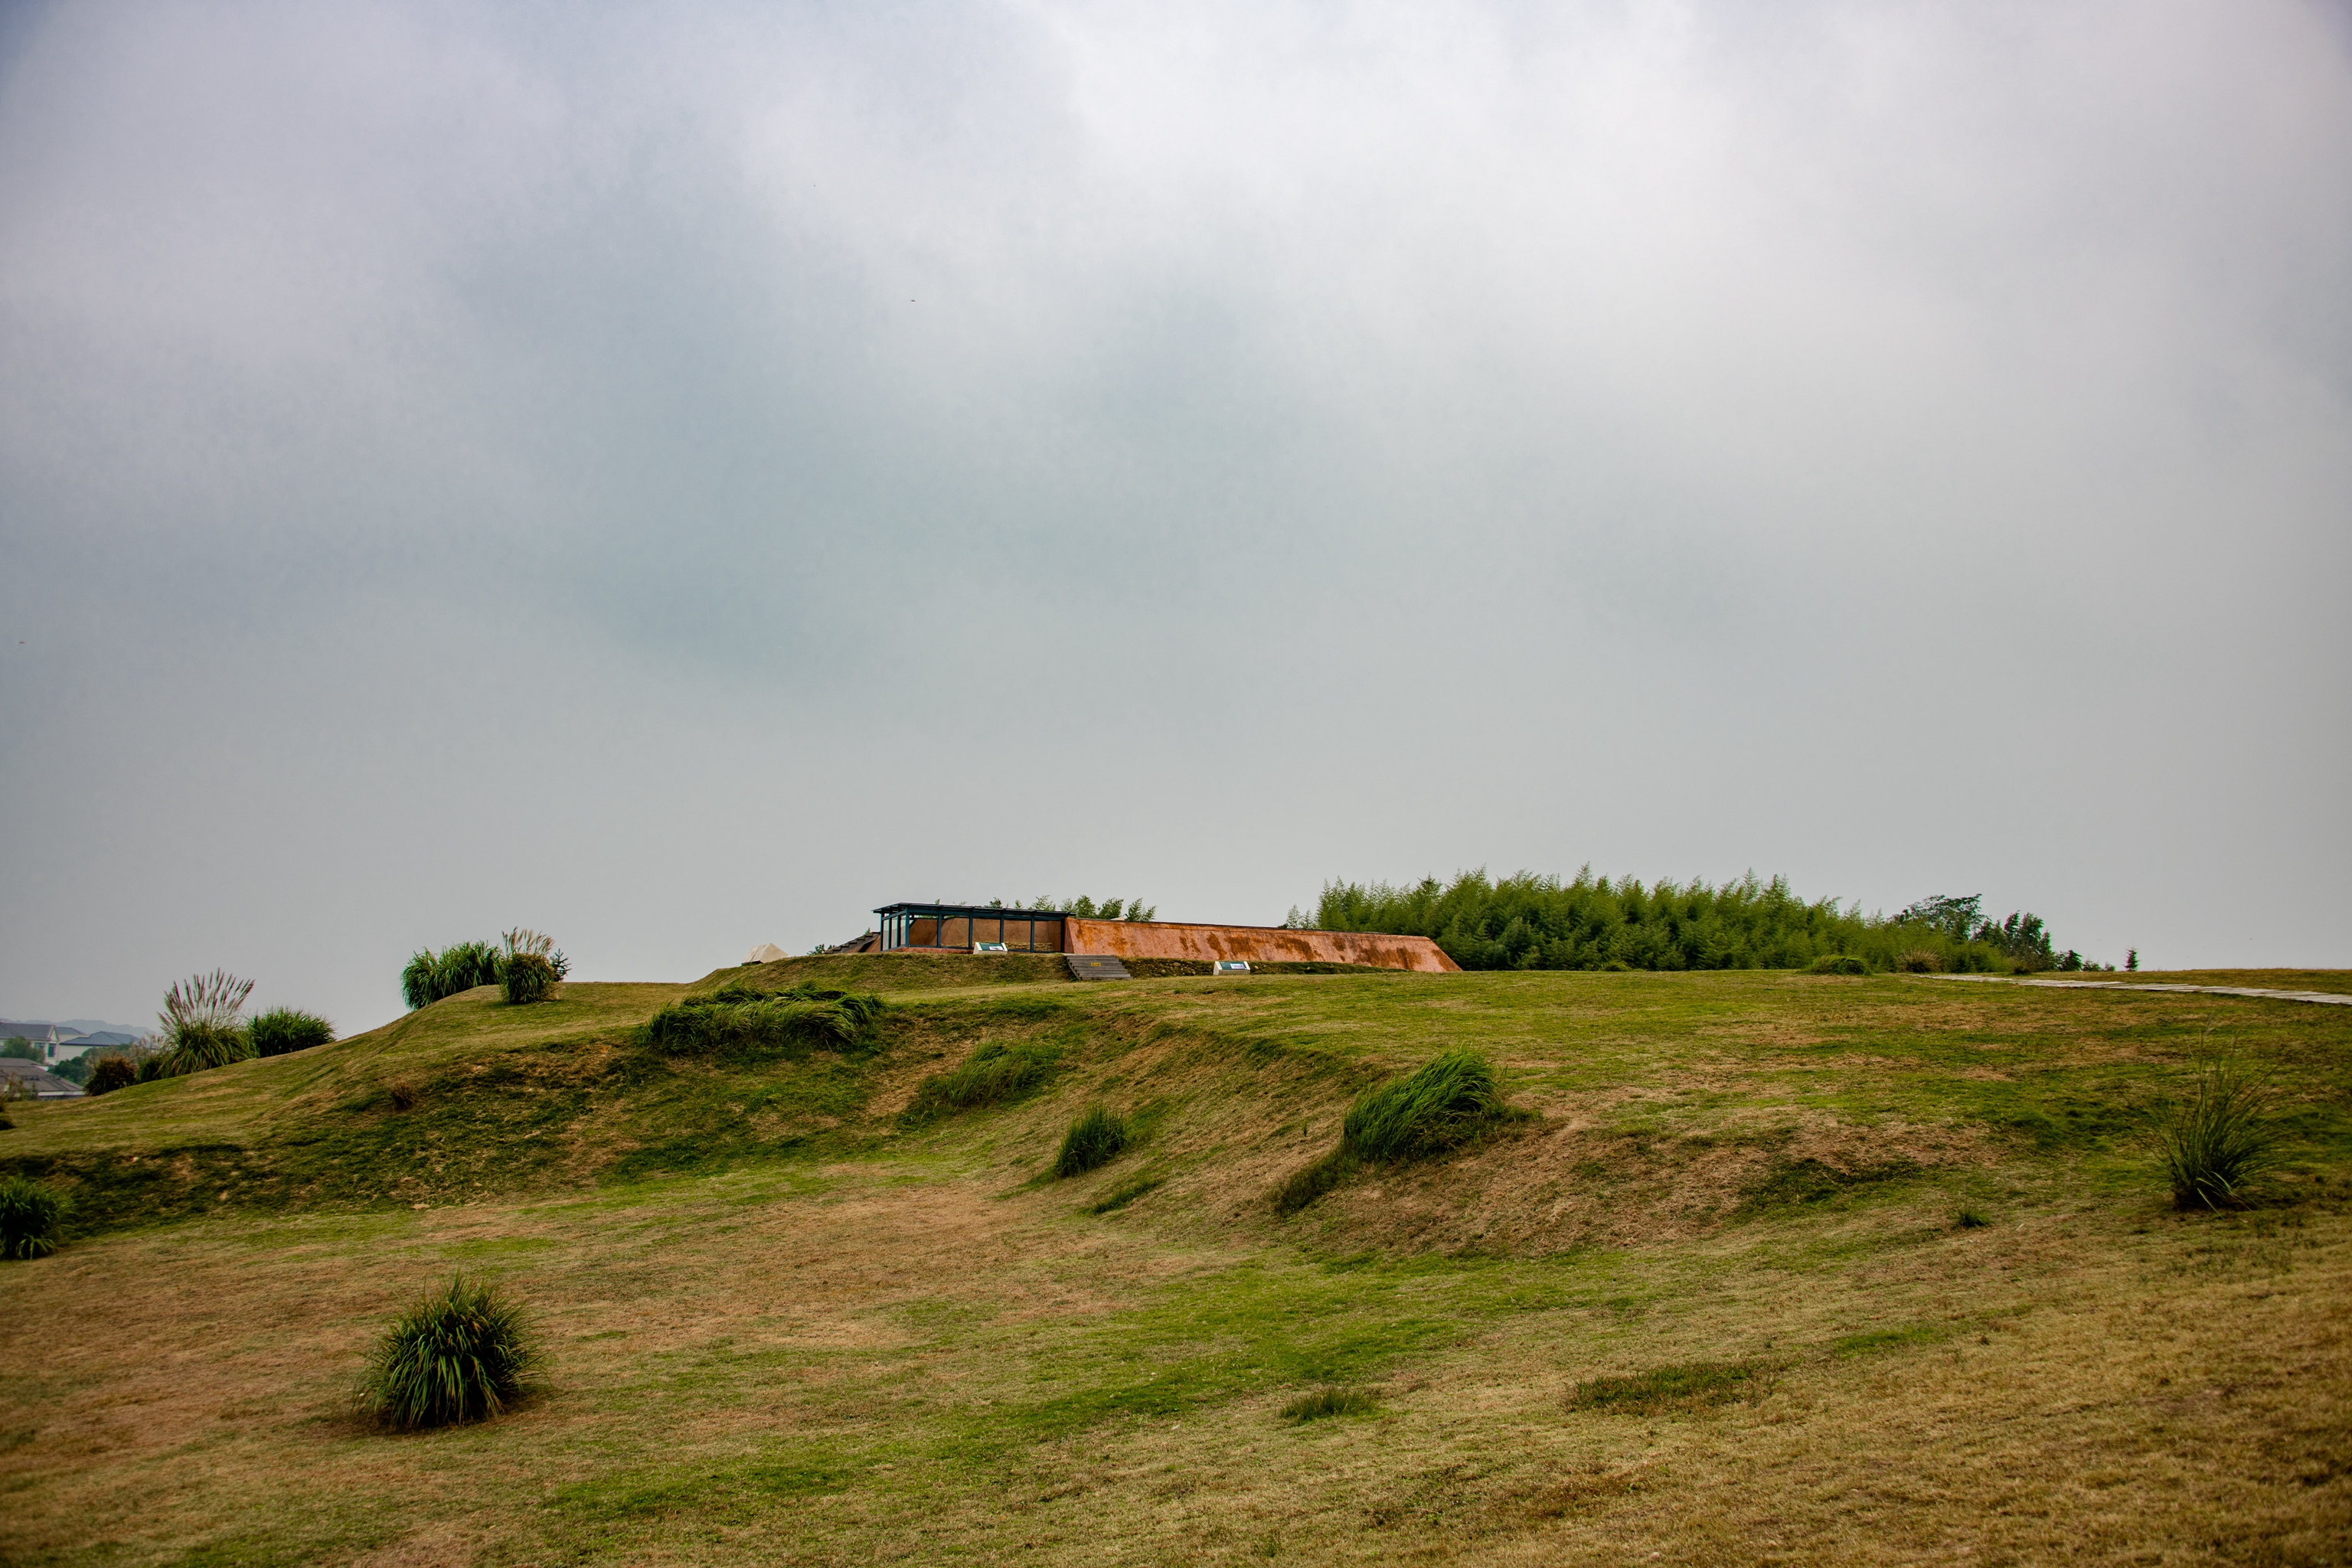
(32, 1218)
(463, 1354)
(1332, 1399)
(739, 1022)
(1918, 960)
(284, 1030)
(1094, 1140)
(462, 965)
(1452, 1100)
(2214, 1144)
(993, 1074)
(1838, 963)
(201, 1028)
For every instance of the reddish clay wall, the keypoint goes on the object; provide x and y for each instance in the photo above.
(1259, 944)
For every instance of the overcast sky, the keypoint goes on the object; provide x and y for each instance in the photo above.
(681, 476)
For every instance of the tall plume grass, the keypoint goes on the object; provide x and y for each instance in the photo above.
(200, 1026)
(2214, 1142)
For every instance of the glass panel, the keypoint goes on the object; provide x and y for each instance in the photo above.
(987, 930)
(922, 932)
(1049, 936)
(955, 933)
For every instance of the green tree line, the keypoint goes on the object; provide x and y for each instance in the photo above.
(1534, 921)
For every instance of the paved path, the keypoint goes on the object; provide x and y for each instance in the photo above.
(2324, 998)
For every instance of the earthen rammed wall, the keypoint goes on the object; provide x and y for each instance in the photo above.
(1258, 944)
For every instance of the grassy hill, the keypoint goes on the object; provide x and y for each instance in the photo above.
(1783, 1268)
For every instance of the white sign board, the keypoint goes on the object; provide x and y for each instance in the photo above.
(990, 947)
(1229, 966)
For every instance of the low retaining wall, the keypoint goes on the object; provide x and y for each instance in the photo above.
(1257, 944)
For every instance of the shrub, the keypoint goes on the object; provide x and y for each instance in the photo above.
(529, 977)
(462, 1354)
(992, 1074)
(1332, 1399)
(32, 1218)
(283, 1030)
(2216, 1141)
(1448, 1102)
(1093, 1139)
(740, 1022)
(1970, 1219)
(1837, 963)
(1919, 961)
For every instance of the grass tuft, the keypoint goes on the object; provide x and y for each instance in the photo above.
(1452, 1099)
(462, 1354)
(1970, 1219)
(1689, 1388)
(32, 1218)
(284, 1030)
(1094, 1140)
(1332, 1399)
(2212, 1145)
(1837, 963)
(746, 1023)
(1124, 1194)
(992, 1075)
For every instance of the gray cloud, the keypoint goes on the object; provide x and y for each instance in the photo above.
(681, 479)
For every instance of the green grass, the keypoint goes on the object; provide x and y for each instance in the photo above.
(1328, 1401)
(1125, 1193)
(1094, 1140)
(994, 1074)
(1694, 1386)
(739, 1024)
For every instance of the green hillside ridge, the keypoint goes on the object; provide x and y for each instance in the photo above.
(1739, 1232)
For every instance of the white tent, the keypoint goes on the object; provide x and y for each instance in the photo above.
(766, 953)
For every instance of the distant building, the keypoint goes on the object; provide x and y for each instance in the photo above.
(46, 1038)
(42, 1083)
(969, 928)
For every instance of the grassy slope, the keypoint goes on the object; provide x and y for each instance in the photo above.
(784, 1328)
